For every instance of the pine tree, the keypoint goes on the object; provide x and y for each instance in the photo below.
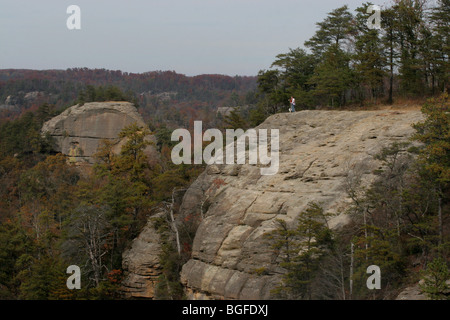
(333, 77)
(301, 250)
(132, 159)
(410, 21)
(16, 248)
(434, 132)
(235, 120)
(368, 57)
(389, 25)
(440, 44)
(435, 279)
(297, 67)
(333, 31)
(272, 91)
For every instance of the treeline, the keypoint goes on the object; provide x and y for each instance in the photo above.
(156, 81)
(104, 93)
(400, 224)
(159, 93)
(349, 63)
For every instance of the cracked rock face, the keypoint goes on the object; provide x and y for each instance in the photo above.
(231, 259)
(79, 129)
(141, 264)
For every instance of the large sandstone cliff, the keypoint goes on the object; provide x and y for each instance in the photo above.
(78, 130)
(318, 149)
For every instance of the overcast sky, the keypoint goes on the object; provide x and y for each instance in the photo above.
(233, 37)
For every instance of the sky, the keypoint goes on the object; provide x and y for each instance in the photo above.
(191, 37)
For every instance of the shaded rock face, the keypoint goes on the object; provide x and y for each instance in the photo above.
(231, 259)
(141, 264)
(79, 129)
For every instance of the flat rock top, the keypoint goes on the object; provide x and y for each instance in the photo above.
(94, 108)
(318, 149)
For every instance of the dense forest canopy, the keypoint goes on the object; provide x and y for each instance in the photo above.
(167, 95)
(401, 222)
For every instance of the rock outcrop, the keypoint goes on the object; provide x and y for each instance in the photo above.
(411, 293)
(78, 130)
(141, 263)
(231, 259)
(9, 104)
(415, 292)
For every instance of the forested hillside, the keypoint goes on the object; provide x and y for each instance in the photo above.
(401, 221)
(164, 95)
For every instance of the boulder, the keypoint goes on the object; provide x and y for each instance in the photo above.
(79, 130)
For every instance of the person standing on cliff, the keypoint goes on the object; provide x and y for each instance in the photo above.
(292, 102)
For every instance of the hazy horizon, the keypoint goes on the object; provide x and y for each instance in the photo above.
(191, 37)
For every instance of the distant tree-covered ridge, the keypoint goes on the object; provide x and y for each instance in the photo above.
(165, 96)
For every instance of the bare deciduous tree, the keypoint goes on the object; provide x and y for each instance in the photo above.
(88, 235)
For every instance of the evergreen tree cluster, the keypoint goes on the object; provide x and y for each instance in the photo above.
(347, 62)
(109, 93)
